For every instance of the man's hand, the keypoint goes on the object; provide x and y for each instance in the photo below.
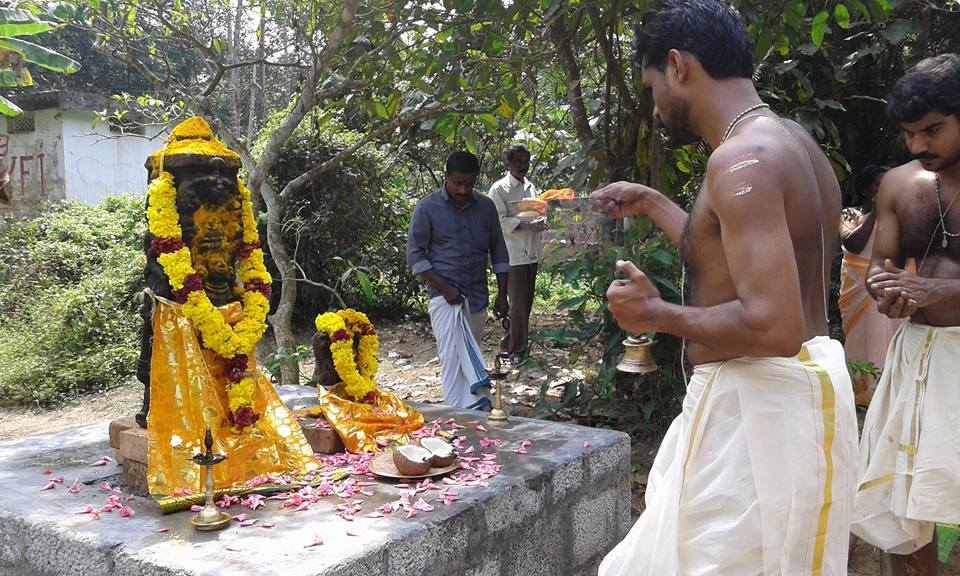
(633, 301)
(500, 306)
(535, 225)
(900, 292)
(452, 294)
(620, 199)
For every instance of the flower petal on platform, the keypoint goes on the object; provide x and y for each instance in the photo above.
(586, 444)
(127, 512)
(50, 485)
(318, 541)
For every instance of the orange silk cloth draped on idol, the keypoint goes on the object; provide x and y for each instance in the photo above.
(187, 394)
(359, 424)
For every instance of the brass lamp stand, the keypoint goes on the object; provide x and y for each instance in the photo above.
(498, 414)
(636, 356)
(210, 518)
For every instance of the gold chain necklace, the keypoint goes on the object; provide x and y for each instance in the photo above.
(739, 117)
(941, 212)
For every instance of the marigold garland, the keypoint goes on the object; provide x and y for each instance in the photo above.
(236, 342)
(341, 326)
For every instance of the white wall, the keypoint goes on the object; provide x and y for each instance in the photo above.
(99, 163)
(35, 162)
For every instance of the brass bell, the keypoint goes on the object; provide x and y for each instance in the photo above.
(636, 356)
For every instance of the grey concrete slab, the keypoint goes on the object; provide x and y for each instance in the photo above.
(554, 511)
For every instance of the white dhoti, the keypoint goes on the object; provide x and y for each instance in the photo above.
(756, 475)
(464, 372)
(910, 449)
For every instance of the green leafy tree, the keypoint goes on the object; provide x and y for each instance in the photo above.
(19, 20)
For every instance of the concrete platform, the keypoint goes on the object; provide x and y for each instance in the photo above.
(553, 511)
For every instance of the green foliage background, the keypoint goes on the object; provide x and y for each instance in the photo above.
(69, 291)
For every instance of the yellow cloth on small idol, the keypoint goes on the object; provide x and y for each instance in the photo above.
(359, 424)
(187, 394)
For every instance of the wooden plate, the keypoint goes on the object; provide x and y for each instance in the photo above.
(382, 465)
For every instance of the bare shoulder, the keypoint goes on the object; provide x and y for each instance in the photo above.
(748, 164)
(903, 183)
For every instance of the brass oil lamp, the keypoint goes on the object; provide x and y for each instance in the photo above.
(210, 517)
(497, 413)
(636, 355)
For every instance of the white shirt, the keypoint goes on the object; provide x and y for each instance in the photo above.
(524, 246)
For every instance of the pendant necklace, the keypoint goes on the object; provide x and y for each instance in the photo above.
(940, 211)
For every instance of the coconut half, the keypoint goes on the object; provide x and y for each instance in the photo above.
(442, 453)
(412, 460)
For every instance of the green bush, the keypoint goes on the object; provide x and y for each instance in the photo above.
(348, 228)
(69, 291)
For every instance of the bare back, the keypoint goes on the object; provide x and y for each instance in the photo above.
(768, 176)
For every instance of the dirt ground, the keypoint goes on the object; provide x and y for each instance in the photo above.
(410, 368)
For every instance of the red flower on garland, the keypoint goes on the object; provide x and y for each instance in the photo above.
(166, 245)
(244, 417)
(236, 367)
(370, 398)
(192, 283)
(260, 286)
(247, 249)
(341, 334)
(368, 330)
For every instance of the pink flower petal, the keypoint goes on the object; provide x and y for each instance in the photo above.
(75, 488)
(103, 461)
(240, 518)
(105, 485)
(586, 444)
(480, 428)
(163, 530)
(196, 508)
(47, 471)
(126, 512)
(50, 486)
(318, 541)
(268, 525)
(249, 522)
(58, 479)
(351, 533)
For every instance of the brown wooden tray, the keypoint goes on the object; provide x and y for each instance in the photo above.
(382, 465)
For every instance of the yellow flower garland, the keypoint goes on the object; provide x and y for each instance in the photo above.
(227, 341)
(357, 383)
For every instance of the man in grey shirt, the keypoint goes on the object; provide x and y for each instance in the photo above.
(453, 234)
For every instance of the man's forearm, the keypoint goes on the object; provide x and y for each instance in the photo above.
(729, 328)
(436, 281)
(668, 217)
(857, 239)
(502, 279)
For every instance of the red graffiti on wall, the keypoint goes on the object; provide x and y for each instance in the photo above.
(26, 165)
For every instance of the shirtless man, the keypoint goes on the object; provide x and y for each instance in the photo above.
(755, 476)
(910, 450)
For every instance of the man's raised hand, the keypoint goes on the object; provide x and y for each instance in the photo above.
(633, 301)
(619, 200)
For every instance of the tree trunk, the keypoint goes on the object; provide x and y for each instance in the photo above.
(571, 72)
(281, 320)
(235, 73)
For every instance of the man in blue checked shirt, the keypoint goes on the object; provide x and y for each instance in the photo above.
(453, 235)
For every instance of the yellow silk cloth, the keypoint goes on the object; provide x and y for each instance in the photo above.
(359, 424)
(187, 394)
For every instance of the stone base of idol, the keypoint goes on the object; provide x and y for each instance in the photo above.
(555, 510)
(129, 443)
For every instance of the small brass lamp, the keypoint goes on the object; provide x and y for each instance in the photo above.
(497, 413)
(636, 355)
(210, 517)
